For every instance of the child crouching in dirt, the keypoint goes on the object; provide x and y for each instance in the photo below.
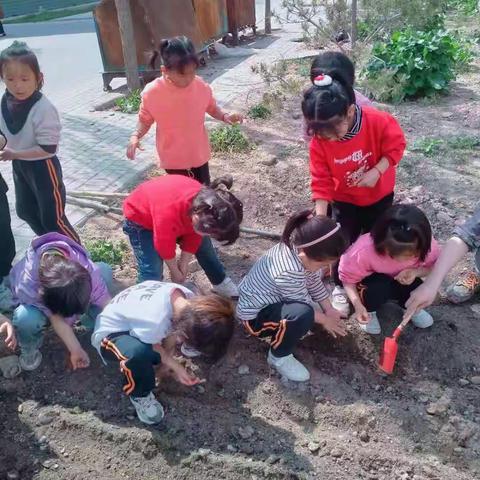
(283, 294)
(52, 284)
(388, 264)
(133, 330)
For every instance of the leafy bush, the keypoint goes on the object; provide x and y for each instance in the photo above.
(112, 253)
(130, 103)
(469, 7)
(425, 61)
(259, 110)
(229, 139)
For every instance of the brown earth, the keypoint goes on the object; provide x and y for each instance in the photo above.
(349, 421)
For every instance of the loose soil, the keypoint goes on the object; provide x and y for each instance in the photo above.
(349, 421)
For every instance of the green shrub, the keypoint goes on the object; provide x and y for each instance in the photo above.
(229, 139)
(106, 251)
(130, 103)
(425, 61)
(259, 111)
(468, 7)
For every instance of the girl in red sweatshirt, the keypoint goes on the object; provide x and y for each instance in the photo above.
(354, 153)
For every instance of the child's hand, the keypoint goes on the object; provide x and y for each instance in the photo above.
(79, 359)
(7, 329)
(133, 144)
(232, 118)
(407, 276)
(7, 154)
(183, 264)
(177, 276)
(185, 378)
(361, 314)
(332, 324)
(369, 179)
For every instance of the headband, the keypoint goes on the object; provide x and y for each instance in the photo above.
(321, 239)
(323, 80)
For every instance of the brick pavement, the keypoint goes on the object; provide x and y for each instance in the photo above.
(92, 149)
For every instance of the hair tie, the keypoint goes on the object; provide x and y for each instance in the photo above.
(321, 239)
(323, 80)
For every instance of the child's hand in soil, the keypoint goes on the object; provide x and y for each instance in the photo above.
(185, 378)
(133, 145)
(407, 276)
(369, 179)
(232, 118)
(361, 314)
(333, 323)
(10, 340)
(79, 359)
(7, 154)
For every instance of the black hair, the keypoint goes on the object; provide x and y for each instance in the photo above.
(208, 323)
(219, 212)
(176, 53)
(22, 53)
(65, 285)
(321, 103)
(303, 227)
(325, 62)
(402, 229)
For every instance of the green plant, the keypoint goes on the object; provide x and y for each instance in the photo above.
(386, 86)
(106, 251)
(130, 103)
(468, 7)
(463, 142)
(260, 110)
(426, 60)
(428, 146)
(229, 139)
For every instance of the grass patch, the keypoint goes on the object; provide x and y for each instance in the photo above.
(260, 110)
(229, 139)
(130, 103)
(45, 16)
(106, 251)
(433, 146)
(428, 146)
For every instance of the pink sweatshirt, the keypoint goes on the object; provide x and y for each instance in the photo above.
(179, 114)
(361, 260)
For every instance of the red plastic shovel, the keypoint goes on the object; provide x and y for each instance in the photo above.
(390, 349)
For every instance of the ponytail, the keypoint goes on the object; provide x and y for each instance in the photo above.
(176, 53)
(319, 237)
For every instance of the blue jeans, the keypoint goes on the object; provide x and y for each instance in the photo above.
(30, 322)
(150, 264)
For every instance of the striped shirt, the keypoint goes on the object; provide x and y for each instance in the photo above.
(278, 276)
(357, 125)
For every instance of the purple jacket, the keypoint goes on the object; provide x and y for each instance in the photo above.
(24, 281)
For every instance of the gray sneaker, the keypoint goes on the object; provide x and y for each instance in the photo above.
(464, 288)
(30, 360)
(149, 409)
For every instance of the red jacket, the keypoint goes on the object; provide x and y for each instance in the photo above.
(336, 165)
(161, 205)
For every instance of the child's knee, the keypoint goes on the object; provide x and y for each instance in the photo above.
(29, 319)
(140, 353)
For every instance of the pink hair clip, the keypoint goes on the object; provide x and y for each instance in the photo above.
(323, 80)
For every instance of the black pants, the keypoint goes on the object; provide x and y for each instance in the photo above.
(286, 323)
(378, 289)
(2, 30)
(201, 174)
(40, 195)
(357, 220)
(136, 362)
(7, 242)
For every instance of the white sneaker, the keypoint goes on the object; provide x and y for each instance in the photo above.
(149, 409)
(340, 301)
(227, 288)
(373, 325)
(31, 360)
(289, 367)
(422, 319)
(188, 351)
(6, 298)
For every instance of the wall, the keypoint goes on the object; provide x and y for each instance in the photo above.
(22, 7)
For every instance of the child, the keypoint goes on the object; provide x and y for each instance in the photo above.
(353, 159)
(133, 331)
(6, 328)
(467, 238)
(7, 247)
(388, 264)
(324, 63)
(53, 283)
(32, 127)
(177, 103)
(173, 208)
(283, 294)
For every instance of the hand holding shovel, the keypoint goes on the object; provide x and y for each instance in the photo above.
(388, 354)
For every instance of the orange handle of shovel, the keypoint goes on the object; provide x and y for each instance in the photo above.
(389, 351)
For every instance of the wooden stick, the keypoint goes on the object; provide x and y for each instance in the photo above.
(261, 233)
(99, 207)
(87, 194)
